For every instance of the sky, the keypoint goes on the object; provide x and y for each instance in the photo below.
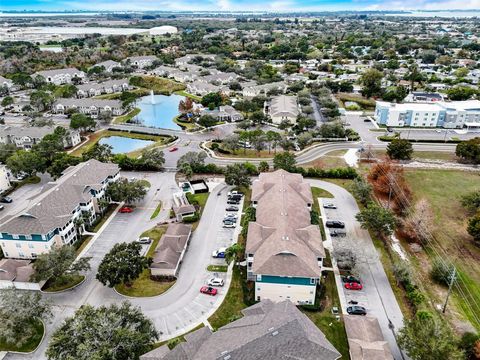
(237, 5)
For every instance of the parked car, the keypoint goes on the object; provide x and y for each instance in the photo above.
(2, 207)
(235, 192)
(215, 282)
(208, 290)
(126, 209)
(335, 224)
(329, 206)
(353, 286)
(220, 253)
(232, 217)
(228, 224)
(336, 233)
(356, 310)
(144, 240)
(351, 279)
(235, 197)
(233, 202)
(172, 149)
(366, 120)
(6, 199)
(231, 208)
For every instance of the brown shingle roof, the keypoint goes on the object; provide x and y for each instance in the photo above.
(19, 270)
(171, 245)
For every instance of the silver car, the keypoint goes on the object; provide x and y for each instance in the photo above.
(215, 282)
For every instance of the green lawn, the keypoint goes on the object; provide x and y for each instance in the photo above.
(36, 327)
(217, 268)
(66, 283)
(125, 118)
(198, 200)
(144, 286)
(191, 96)
(157, 210)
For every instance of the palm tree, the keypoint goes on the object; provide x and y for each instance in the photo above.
(233, 253)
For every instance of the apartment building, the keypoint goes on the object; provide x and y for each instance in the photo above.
(284, 250)
(58, 214)
(108, 65)
(60, 76)
(451, 115)
(283, 108)
(107, 87)
(141, 62)
(88, 106)
(26, 136)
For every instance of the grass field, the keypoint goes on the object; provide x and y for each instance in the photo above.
(366, 104)
(157, 210)
(246, 153)
(159, 85)
(443, 190)
(68, 283)
(144, 286)
(191, 96)
(36, 326)
(125, 118)
(426, 155)
(217, 268)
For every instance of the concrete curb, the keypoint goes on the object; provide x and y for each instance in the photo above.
(40, 343)
(144, 297)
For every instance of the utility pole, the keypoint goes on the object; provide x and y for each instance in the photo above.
(450, 286)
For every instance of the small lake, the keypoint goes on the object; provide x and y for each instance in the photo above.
(159, 111)
(123, 145)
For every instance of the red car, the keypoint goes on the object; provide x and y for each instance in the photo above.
(173, 149)
(208, 290)
(353, 286)
(126, 209)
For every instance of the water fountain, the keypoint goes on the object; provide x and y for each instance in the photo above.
(152, 97)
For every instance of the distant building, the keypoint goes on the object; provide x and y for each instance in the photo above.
(252, 91)
(107, 87)
(26, 136)
(141, 62)
(60, 76)
(283, 108)
(267, 330)
(224, 113)
(53, 217)
(91, 107)
(109, 65)
(284, 250)
(417, 96)
(451, 115)
(4, 179)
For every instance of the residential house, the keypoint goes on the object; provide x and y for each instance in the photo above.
(187, 59)
(224, 113)
(219, 79)
(61, 76)
(284, 249)
(56, 216)
(88, 106)
(365, 338)
(182, 207)
(16, 274)
(267, 331)
(252, 91)
(201, 88)
(109, 65)
(141, 62)
(170, 250)
(283, 108)
(107, 87)
(4, 179)
(26, 136)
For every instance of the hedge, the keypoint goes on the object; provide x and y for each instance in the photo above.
(431, 141)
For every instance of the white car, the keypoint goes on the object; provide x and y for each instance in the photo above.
(215, 282)
(229, 224)
(329, 206)
(144, 240)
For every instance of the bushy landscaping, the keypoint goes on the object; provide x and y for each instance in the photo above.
(36, 328)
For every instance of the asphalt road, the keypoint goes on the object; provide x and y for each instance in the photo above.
(377, 295)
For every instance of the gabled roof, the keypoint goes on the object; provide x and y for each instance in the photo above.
(171, 245)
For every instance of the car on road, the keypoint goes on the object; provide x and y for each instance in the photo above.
(220, 253)
(228, 224)
(329, 206)
(366, 120)
(172, 149)
(208, 290)
(126, 210)
(6, 199)
(335, 224)
(336, 233)
(351, 279)
(233, 202)
(144, 240)
(215, 282)
(231, 208)
(353, 286)
(356, 310)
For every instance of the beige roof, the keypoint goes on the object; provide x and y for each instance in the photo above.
(365, 338)
(171, 245)
(282, 239)
(18, 270)
(54, 207)
(268, 331)
(284, 105)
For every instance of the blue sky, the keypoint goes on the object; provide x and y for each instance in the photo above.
(236, 5)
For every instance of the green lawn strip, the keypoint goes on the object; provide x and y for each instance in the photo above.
(198, 200)
(244, 153)
(233, 303)
(159, 85)
(125, 118)
(217, 268)
(110, 209)
(81, 244)
(176, 340)
(68, 282)
(37, 329)
(156, 211)
(144, 286)
(189, 126)
(191, 96)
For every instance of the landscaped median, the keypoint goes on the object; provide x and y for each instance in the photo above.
(67, 282)
(34, 327)
(127, 117)
(144, 286)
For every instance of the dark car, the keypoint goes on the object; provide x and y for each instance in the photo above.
(366, 120)
(6, 199)
(356, 310)
(350, 279)
(233, 202)
(235, 197)
(335, 224)
(232, 208)
(336, 233)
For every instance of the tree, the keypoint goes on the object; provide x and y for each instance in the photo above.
(196, 160)
(105, 117)
(28, 162)
(285, 161)
(212, 98)
(58, 265)
(231, 142)
(426, 338)
(400, 149)
(362, 190)
(185, 106)
(258, 117)
(7, 101)
(237, 175)
(100, 152)
(304, 139)
(263, 166)
(51, 144)
(377, 219)
(273, 138)
(471, 201)
(473, 227)
(187, 171)
(41, 100)
(233, 252)
(115, 332)
(6, 150)
(60, 162)
(122, 265)
(441, 272)
(371, 81)
(127, 191)
(460, 93)
(207, 121)
(469, 150)
(153, 159)
(17, 311)
(81, 121)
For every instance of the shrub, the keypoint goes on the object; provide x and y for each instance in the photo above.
(441, 271)
(191, 219)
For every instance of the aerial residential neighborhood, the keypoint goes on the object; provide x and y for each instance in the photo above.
(239, 180)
